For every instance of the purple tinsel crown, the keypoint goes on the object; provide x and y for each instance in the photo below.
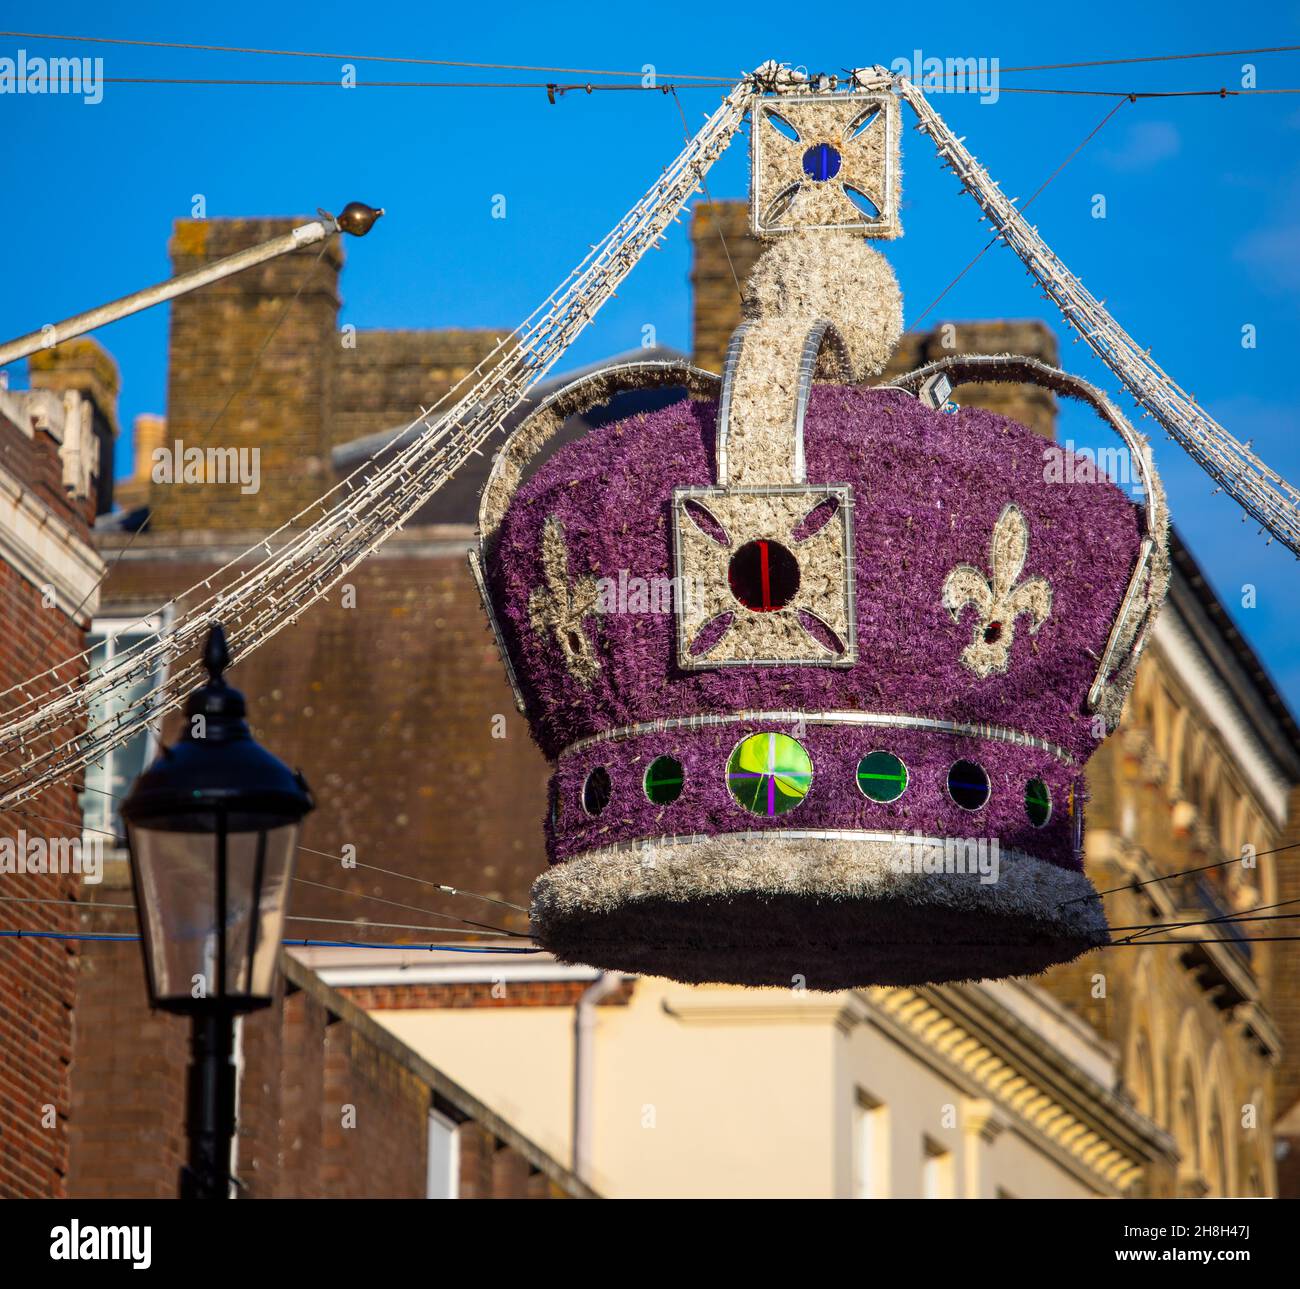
(983, 592)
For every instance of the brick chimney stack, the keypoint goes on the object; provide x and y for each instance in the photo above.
(84, 367)
(723, 252)
(148, 432)
(717, 314)
(279, 396)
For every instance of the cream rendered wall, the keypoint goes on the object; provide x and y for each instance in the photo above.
(698, 1092)
(517, 1060)
(1024, 1172)
(715, 1091)
(920, 1101)
(722, 1092)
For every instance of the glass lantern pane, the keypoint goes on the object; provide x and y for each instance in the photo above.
(176, 897)
(278, 849)
(177, 878)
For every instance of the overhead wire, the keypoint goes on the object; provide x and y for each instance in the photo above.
(424, 881)
(579, 71)
(1154, 58)
(413, 908)
(1188, 872)
(442, 887)
(22, 934)
(1220, 92)
(549, 86)
(353, 58)
(997, 237)
(1258, 913)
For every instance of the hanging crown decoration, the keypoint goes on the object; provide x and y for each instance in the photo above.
(851, 752)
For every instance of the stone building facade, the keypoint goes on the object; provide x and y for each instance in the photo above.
(1199, 780)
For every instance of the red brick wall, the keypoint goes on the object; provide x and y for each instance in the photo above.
(37, 977)
(521, 993)
(35, 460)
(389, 710)
(324, 1112)
(128, 1073)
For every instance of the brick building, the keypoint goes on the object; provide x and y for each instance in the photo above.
(52, 440)
(398, 712)
(332, 1106)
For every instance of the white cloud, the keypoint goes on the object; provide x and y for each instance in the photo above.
(1273, 256)
(1146, 144)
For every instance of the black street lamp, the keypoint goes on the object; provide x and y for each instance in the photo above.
(212, 827)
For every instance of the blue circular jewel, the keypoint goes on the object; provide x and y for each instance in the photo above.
(821, 162)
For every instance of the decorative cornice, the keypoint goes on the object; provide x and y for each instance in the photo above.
(1085, 1127)
(761, 1007)
(1221, 709)
(1256, 1020)
(43, 548)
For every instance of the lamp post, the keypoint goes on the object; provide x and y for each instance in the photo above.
(356, 218)
(212, 827)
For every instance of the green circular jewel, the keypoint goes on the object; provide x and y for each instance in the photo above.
(882, 776)
(769, 774)
(664, 779)
(1038, 802)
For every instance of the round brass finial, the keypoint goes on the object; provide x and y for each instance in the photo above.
(357, 218)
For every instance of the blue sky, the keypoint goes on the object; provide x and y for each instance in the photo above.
(1201, 235)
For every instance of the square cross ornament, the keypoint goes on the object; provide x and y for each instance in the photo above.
(825, 162)
(770, 576)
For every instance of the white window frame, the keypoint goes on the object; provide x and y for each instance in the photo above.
(870, 1146)
(442, 1178)
(109, 627)
(938, 1171)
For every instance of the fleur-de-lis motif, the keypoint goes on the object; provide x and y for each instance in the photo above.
(560, 608)
(998, 599)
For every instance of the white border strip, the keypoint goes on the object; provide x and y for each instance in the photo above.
(875, 720)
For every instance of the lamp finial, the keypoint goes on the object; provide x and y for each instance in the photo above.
(216, 654)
